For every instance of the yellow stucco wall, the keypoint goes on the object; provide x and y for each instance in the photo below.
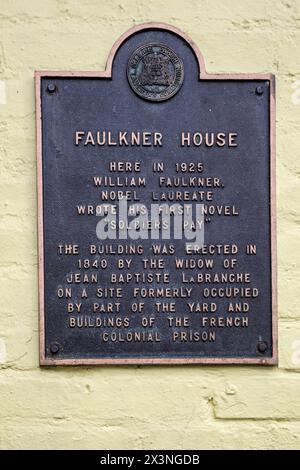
(141, 407)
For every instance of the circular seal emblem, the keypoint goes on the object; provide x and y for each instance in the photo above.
(155, 72)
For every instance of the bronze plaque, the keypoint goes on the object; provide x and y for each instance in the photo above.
(156, 192)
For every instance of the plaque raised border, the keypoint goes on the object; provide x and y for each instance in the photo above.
(107, 73)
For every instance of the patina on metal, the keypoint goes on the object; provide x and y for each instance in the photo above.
(155, 90)
(155, 72)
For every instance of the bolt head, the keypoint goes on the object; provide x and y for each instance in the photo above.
(51, 88)
(54, 348)
(259, 90)
(262, 346)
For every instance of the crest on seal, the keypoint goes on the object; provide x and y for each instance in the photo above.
(155, 72)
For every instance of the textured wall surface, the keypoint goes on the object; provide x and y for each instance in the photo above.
(141, 407)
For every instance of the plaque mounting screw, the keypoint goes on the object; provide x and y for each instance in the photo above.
(259, 90)
(51, 88)
(54, 348)
(262, 346)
